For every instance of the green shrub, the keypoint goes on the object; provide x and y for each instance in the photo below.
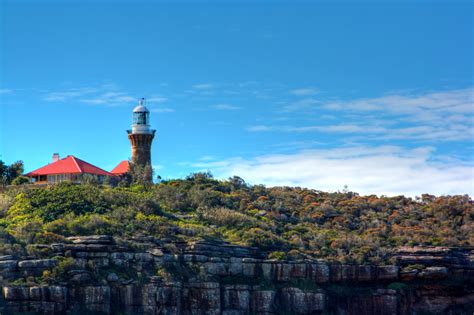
(225, 217)
(60, 272)
(20, 180)
(264, 240)
(277, 255)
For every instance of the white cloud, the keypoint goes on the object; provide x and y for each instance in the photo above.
(156, 99)
(428, 116)
(107, 94)
(306, 103)
(102, 95)
(304, 91)
(5, 91)
(451, 101)
(386, 170)
(203, 86)
(259, 128)
(225, 107)
(109, 98)
(162, 110)
(372, 131)
(69, 94)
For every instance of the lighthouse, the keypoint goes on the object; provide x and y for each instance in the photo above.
(141, 136)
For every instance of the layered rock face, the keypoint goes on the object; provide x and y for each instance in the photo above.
(102, 275)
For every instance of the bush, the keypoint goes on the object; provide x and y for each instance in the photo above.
(277, 255)
(20, 180)
(55, 201)
(264, 240)
(225, 217)
(60, 272)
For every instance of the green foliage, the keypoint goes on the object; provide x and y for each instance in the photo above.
(20, 180)
(414, 267)
(225, 217)
(262, 239)
(289, 223)
(60, 272)
(141, 175)
(278, 255)
(55, 201)
(9, 173)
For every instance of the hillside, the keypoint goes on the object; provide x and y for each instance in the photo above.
(285, 222)
(205, 246)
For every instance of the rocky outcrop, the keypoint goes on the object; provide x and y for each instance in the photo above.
(144, 275)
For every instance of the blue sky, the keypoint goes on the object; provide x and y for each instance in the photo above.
(377, 96)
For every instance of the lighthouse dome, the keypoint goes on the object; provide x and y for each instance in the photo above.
(141, 109)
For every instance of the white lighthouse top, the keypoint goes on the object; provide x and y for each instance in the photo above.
(141, 108)
(141, 119)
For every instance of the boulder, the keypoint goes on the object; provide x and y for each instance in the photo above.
(38, 264)
(92, 239)
(8, 265)
(433, 273)
(112, 277)
(6, 257)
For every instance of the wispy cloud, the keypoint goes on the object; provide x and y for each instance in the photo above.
(162, 110)
(306, 103)
(6, 91)
(69, 94)
(428, 116)
(203, 86)
(304, 91)
(374, 132)
(387, 170)
(433, 103)
(107, 95)
(225, 107)
(156, 99)
(109, 98)
(259, 128)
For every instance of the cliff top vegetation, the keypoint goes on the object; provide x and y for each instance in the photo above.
(285, 222)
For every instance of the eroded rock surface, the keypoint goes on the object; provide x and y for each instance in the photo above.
(103, 275)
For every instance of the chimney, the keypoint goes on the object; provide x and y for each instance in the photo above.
(55, 157)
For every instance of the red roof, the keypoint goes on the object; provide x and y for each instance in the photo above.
(69, 165)
(121, 168)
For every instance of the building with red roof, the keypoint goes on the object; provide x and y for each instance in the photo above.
(69, 168)
(121, 168)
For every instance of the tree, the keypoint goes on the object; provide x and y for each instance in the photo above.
(9, 172)
(141, 175)
(237, 183)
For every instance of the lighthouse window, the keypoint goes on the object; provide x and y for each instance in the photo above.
(140, 118)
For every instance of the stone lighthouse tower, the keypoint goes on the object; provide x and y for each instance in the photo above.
(141, 136)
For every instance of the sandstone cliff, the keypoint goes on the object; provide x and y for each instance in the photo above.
(144, 275)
